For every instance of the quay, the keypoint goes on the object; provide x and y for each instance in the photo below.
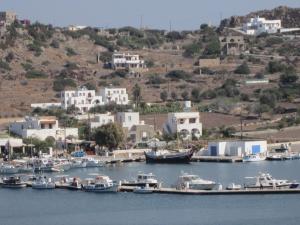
(224, 159)
(216, 192)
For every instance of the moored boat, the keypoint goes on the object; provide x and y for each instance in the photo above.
(194, 182)
(253, 158)
(143, 180)
(100, 184)
(266, 181)
(8, 169)
(43, 183)
(12, 182)
(164, 156)
(143, 190)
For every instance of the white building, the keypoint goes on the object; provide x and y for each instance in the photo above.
(102, 119)
(187, 124)
(127, 61)
(76, 27)
(236, 148)
(46, 105)
(128, 119)
(259, 25)
(118, 96)
(41, 128)
(84, 99)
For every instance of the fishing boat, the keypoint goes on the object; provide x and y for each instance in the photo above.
(275, 157)
(72, 183)
(78, 163)
(43, 183)
(143, 180)
(12, 182)
(165, 156)
(45, 165)
(266, 181)
(194, 182)
(8, 169)
(91, 162)
(253, 158)
(100, 183)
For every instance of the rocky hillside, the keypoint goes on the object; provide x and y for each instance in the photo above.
(290, 17)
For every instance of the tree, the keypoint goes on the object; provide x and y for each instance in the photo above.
(274, 67)
(289, 76)
(242, 69)
(196, 95)
(109, 135)
(164, 96)
(136, 93)
(10, 56)
(174, 95)
(213, 48)
(185, 95)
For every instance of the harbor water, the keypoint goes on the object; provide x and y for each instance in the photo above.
(63, 207)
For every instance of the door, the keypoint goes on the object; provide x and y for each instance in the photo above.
(213, 151)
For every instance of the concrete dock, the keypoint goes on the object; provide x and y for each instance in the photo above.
(216, 192)
(224, 159)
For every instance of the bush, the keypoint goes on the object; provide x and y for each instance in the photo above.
(35, 74)
(9, 57)
(164, 96)
(275, 67)
(273, 41)
(36, 48)
(178, 75)
(61, 83)
(55, 44)
(192, 50)
(155, 79)
(70, 51)
(289, 76)
(41, 32)
(242, 69)
(196, 95)
(4, 65)
(213, 49)
(174, 36)
(27, 66)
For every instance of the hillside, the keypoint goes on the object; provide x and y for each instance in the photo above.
(290, 17)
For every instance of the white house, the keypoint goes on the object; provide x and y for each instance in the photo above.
(118, 96)
(46, 105)
(127, 61)
(187, 124)
(76, 27)
(236, 148)
(128, 119)
(41, 128)
(82, 98)
(102, 119)
(260, 25)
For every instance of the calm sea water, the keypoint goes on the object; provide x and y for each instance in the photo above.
(62, 207)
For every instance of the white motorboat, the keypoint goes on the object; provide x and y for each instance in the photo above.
(8, 169)
(78, 163)
(100, 184)
(143, 190)
(234, 186)
(266, 181)
(254, 158)
(45, 165)
(43, 183)
(91, 162)
(143, 179)
(188, 181)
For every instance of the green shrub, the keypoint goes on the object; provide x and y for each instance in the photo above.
(275, 67)
(61, 83)
(55, 44)
(36, 48)
(70, 51)
(243, 69)
(192, 50)
(155, 79)
(179, 75)
(27, 66)
(4, 65)
(35, 74)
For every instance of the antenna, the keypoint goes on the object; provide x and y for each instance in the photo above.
(141, 22)
(170, 25)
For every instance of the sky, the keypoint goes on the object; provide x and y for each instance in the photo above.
(181, 14)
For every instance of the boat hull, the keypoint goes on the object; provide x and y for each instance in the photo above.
(112, 189)
(182, 158)
(14, 186)
(133, 184)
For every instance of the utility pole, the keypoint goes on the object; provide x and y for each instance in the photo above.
(170, 25)
(241, 129)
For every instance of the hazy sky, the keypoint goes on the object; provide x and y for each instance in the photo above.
(183, 14)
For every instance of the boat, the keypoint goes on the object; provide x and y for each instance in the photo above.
(253, 158)
(143, 190)
(78, 163)
(100, 184)
(12, 182)
(8, 169)
(91, 162)
(266, 181)
(143, 180)
(194, 182)
(43, 183)
(234, 186)
(165, 156)
(72, 183)
(275, 157)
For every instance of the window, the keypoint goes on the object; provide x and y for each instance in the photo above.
(50, 126)
(192, 120)
(181, 121)
(43, 126)
(129, 118)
